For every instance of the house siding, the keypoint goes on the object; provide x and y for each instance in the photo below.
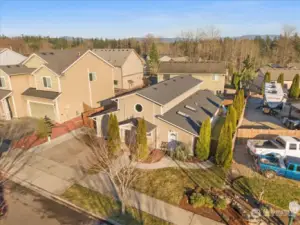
(34, 62)
(127, 105)
(132, 69)
(208, 82)
(45, 72)
(78, 90)
(19, 84)
(162, 135)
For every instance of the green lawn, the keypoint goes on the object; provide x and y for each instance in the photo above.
(216, 130)
(170, 184)
(278, 191)
(109, 208)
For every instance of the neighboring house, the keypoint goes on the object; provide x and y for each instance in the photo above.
(129, 66)
(165, 58)
(10, 57)
(289, 74)
(173, 110)
(57, 84)
(212, 74)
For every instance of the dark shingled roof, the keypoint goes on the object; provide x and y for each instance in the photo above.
(16, 69)
(168, 90)
(4, 93)
(192, 67)
(134, 122)
(33, 92)
(191, 112)
(59, 60)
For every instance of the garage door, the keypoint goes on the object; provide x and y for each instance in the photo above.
(41, 110)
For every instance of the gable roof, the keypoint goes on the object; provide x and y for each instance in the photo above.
(59, 60)
(16, 69)
(134, 122)
(192, 67)
(192, 111)
(164, 92)
(289, 73)
(116, 57)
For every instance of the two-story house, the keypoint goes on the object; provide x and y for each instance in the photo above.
(212, 74)
(173, 109)
(129, 67)
(56, 84)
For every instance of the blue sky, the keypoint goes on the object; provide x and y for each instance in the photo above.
(118, 19)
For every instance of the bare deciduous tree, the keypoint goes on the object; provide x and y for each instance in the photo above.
(119, 170)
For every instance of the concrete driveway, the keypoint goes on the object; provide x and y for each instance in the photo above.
(256, 119)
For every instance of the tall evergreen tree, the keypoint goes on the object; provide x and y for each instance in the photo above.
(154, 56)
(141, 140)
(113, 133)
(280, 79)
(267, 79)
(203, 143)
(294, 90)
(224, 149)
(233, 117)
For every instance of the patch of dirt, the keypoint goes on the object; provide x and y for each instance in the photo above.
(154, 156)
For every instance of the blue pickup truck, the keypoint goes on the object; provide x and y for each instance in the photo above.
(273, 164)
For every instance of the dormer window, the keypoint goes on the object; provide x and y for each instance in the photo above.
(47, 82)
(2, 82)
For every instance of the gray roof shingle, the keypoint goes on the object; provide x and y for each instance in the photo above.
(192, 67)
(4, 93)
(134, 122)
(16, 69)
(116, 57)
(191, 112)
(168, 90)
(33, 92)
(59, 60)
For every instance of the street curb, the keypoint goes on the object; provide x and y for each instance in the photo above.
(60, 200)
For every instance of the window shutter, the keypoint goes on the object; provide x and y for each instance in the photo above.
(91, 76)
(1, 82)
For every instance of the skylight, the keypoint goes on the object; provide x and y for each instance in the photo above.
(182, 114)
(190, 108)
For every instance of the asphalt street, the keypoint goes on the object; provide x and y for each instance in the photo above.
(28, 207)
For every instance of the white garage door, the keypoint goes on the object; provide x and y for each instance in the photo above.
(40, 110)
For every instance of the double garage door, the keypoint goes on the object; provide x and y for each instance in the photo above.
(40, 110)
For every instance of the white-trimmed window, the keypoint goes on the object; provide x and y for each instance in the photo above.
(116, 82)
(92, 76)
(2, 82)
(138, 108)
(215, 77)
(47, 82)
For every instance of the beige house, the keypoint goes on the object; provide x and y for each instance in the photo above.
(288, 73)
(212, 74)
(129, 67)
(56, 84)
(173, 109)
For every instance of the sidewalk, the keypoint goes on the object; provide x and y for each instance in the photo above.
(168, 162)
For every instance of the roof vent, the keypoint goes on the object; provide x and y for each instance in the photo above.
(190, 108)
(182, 114)
(51, 53)
(174, 80)
(155, 88)
(165, 84)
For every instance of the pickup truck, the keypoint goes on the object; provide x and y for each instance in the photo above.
(274, 164)
(282, 145)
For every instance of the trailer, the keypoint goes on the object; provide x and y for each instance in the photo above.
(274, 97)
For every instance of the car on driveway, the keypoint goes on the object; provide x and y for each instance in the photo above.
(273, 164)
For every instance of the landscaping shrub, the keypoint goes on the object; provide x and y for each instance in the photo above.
(221, 204)
(180, 153)
(197, 200)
